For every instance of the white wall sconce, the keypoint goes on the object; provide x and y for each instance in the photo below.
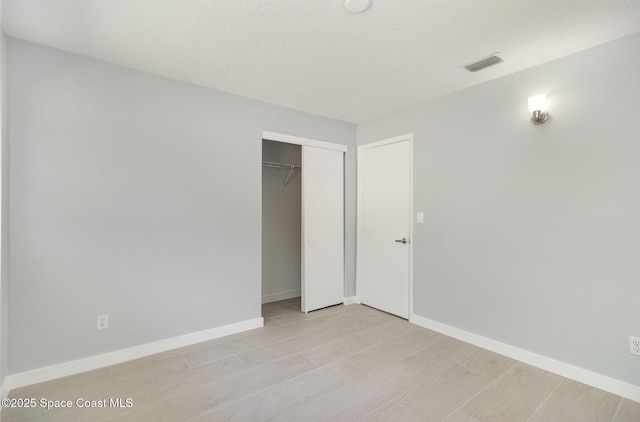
(537, 105)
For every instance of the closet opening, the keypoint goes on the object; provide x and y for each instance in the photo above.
(281, 227)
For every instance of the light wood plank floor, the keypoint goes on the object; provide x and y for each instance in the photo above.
(344, 363)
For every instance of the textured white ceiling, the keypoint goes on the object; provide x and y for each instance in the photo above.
(313, 55)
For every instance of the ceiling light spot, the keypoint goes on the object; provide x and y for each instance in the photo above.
(357, 6)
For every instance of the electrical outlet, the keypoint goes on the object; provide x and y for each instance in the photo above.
(634, 345)
(103, 322)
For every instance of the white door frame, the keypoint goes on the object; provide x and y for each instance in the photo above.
(406, 137)
(296, 140)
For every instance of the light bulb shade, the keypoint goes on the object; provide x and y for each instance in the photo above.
(537, 102)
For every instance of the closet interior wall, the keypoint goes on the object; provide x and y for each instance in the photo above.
(281, 222)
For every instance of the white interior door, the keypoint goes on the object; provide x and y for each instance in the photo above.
(385, 225)
(322, 228)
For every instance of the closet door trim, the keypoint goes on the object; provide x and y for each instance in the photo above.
(296, 140)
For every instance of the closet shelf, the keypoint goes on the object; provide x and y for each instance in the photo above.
(275, 165)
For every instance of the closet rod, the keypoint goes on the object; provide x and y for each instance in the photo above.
(291, 167)
(273, 164)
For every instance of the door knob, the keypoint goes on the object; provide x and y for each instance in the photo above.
(404, 241)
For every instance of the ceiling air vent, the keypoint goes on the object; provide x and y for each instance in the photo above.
(489, 61)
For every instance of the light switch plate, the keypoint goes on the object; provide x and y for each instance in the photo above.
(420, 217)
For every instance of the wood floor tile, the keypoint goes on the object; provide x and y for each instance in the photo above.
(265, 354)
(515, 396)
(193, 402)
(487, 363)
(460, 416)
(391, 351)
(358, 398)
(576, 402)
(294, 317)
(102, 384)
(130, 373)
(146, 393)
(435, 399)
(358, 342)
(243, 344)
(287, 396)
(271, 322)
(439, 354)
(80, 381)
(629, 412)
(274, 311)
(262, 331)
(57, 389)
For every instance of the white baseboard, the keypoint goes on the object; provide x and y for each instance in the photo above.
(620, 388)
(274, 297)
(112, 358)
(351, 300)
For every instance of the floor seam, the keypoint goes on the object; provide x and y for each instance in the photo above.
(482, 389)
(422, 382)
(185, 360)
(262, 390)
(546, 399)
(615, 415)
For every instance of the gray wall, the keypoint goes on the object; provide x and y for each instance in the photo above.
(281, 222)
(4, 215)
(532, 234)
(135, 196)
